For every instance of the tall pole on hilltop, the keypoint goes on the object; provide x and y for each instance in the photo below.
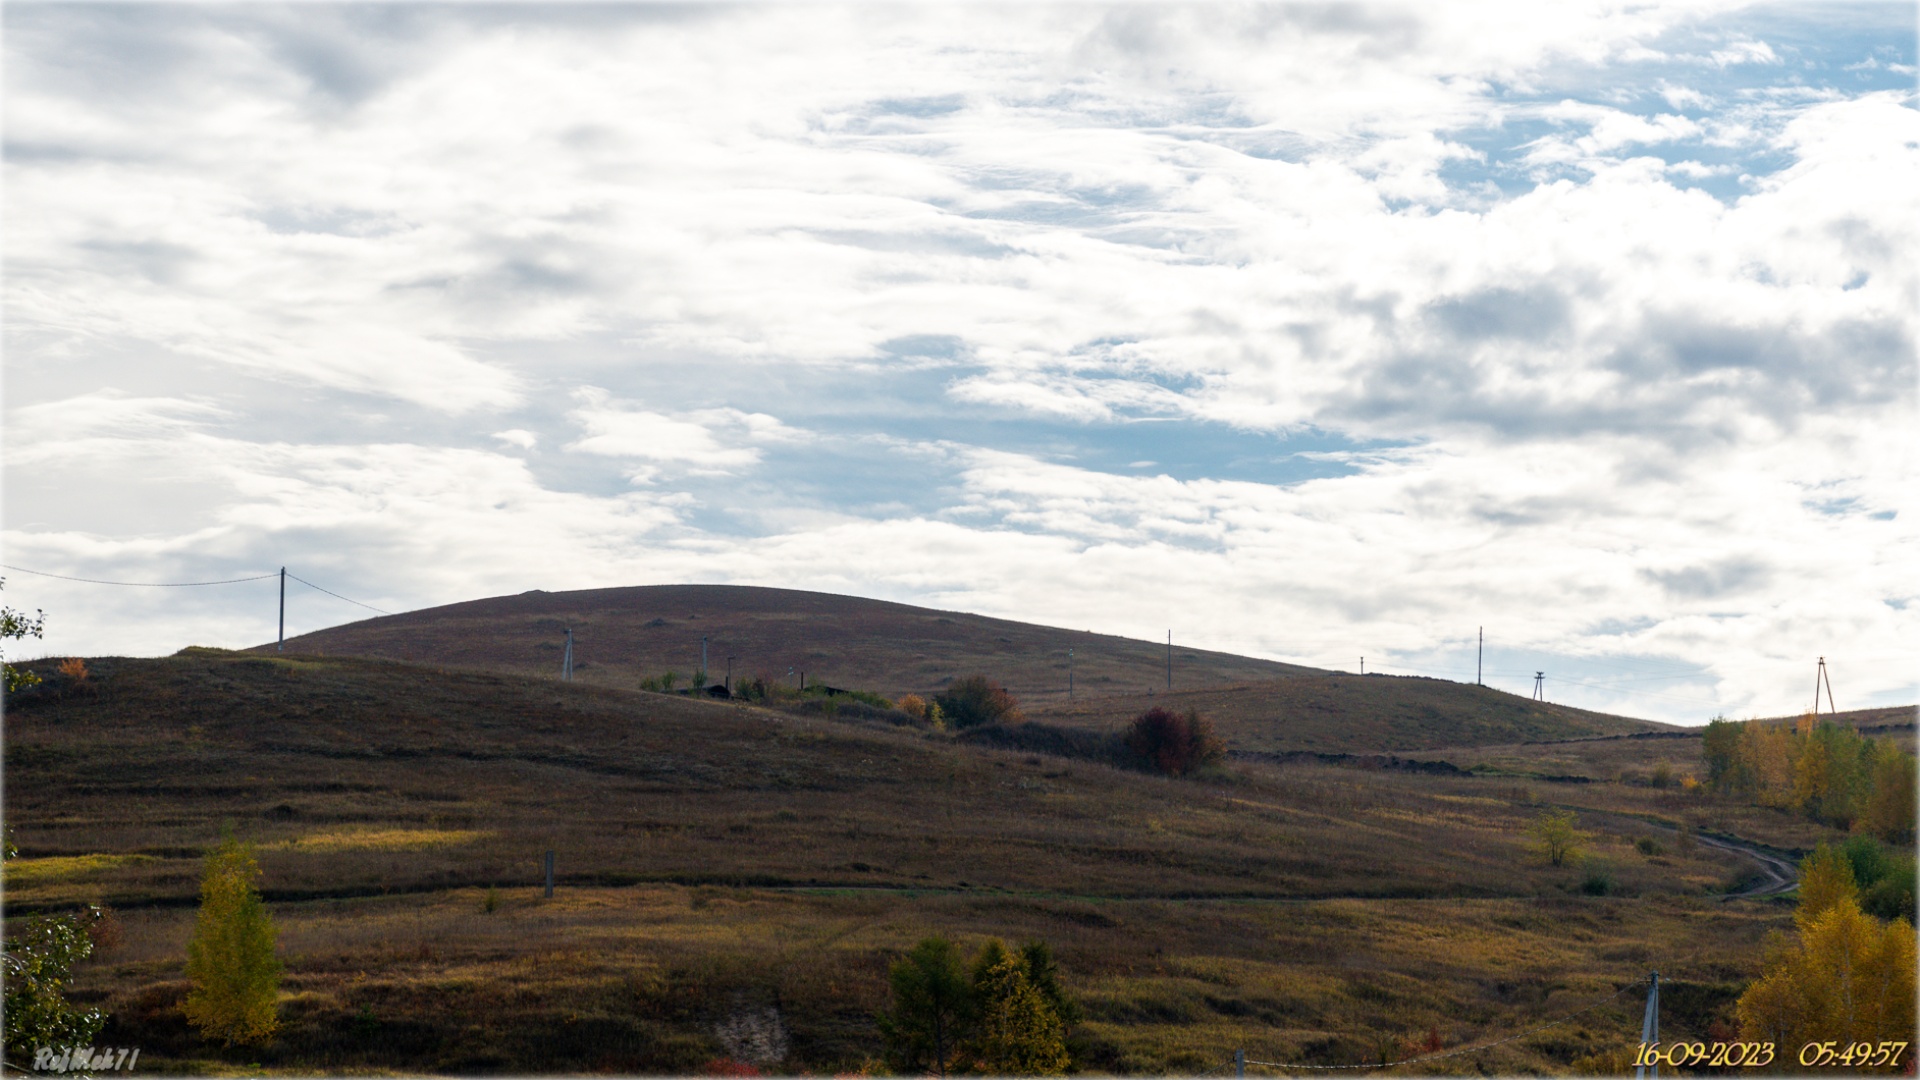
(1169, 659)
(1069, 674)
(1539, 686)
(1479, 658)
(1820, 676)
(566, 658)
(703, 663)
(282, 645)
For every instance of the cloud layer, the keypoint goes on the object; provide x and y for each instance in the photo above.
(1309, 331)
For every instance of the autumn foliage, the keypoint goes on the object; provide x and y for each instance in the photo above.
(1829, 773)
(977, 700)
(1847, 977)
(1173, 744)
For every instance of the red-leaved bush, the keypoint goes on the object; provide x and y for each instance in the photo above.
(1174, 744)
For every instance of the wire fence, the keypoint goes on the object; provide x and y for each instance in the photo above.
(1297, 1066)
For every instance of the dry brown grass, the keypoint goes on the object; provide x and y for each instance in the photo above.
(715, 858)
(624, 635)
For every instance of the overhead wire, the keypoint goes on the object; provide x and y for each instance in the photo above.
(143, 584)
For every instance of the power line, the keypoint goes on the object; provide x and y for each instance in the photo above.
(145, 584)
(192, 584)
(336, 595)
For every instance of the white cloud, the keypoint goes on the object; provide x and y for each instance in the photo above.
(308, 252)
(702, 441)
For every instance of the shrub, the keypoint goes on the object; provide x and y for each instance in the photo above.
(1892, 896)
(1649, 847)
(73, 669)
(1173, 744)
(1555, 836)
(919, 708)
(236, 979)
(40, 955)
(1599, 880)
(1017, 1033)
(931, 1002)
(977, 700)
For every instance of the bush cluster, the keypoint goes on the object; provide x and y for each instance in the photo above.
(1173, 744)
(1007, 1018)
(977, 700)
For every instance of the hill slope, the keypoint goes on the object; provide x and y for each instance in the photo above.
(1356, 713)
(624, 635)
(718, 861)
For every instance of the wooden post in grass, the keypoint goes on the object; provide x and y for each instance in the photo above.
(549, 875)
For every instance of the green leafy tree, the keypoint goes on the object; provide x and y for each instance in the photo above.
(38, 960)
(977, 700)
(1044, 973)
(1555, 836)
(236, 978)
(15, 626)
(932, 1002)
(1889, 811)
(1016, 1031)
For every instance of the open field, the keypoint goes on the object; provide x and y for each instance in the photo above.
(716, 861)
(624, 635)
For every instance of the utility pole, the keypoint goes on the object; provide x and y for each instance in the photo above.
(566, 658)
(729, 676)
(1650, 1027)
(1820, 676)
(1169, 660)
(1479, 657)
(1539, 686)
(703, 664)
(1363, 665)
(282, 646)
(1069, 674)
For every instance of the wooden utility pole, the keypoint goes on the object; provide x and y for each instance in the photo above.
(1069, 674)
(566, 658)
(1820, 677)
(1169, 659)
(1539, 686)
(1479, 658)
(282, 646)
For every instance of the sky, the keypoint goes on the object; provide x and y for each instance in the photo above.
(1305, 331)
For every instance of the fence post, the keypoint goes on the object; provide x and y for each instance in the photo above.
(1240, 1064)
(549, 875)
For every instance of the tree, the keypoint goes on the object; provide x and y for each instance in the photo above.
(1017, 1033)
(15, 626)
(236, 978)
(1558, 840)
(1826, 879)
(1044, 973)
(1849, 978)
(1889, 811)
(39, 959)
(1720, 746)
(932, 1000)
(977, 700)
(1173, 744)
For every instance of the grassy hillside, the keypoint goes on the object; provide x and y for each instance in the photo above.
(623, 635)
(719, 862)
(1347, 713)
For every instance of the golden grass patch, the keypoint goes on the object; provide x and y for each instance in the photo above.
(380, 840)
(68, 867)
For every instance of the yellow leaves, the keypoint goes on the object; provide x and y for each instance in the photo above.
(1850, 978)
(1826, 880)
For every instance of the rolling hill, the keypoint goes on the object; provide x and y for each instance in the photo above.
(717, 860)
(624, 635)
